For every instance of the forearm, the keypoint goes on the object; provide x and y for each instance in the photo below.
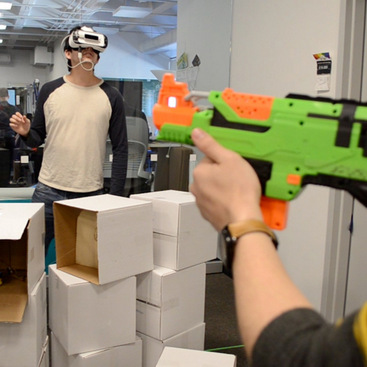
(262, 287)
(33, 139)
(118, 174)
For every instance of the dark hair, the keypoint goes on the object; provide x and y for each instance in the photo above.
(67, 46)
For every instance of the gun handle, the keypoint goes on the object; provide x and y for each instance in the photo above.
(275, 212)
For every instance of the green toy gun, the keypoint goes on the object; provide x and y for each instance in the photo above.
(290, 142)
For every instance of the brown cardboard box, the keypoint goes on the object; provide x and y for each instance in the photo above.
(22, 259)
(103, 238)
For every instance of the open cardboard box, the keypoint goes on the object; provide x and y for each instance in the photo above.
(22, 259)
(22, 344)
(103, 238)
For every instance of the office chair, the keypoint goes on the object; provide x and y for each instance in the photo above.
(138, 179)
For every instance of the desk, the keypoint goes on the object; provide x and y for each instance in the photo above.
(163, 144)
(16, 193)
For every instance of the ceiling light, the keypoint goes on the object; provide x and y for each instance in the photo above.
(2, 27)
(1, 41)
(132, 12)
(5, 5)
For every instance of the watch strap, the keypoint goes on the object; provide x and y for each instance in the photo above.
(238, 229)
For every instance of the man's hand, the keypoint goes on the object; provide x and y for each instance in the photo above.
(226, 187)
(20, 124)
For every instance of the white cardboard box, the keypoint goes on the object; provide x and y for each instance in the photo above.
(170, 302)
(103, 238)
(21, 344)
(191, 339)
(194, 358)
(45, 356)
(86, 317)
(182, 237)
(22, 249)
(129, 355)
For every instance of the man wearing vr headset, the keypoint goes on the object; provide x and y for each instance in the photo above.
(73, 117)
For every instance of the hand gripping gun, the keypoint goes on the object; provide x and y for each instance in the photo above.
(290, 142)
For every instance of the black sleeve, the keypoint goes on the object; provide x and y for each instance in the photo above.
(118, 136)
(38, 133)
(302, 338)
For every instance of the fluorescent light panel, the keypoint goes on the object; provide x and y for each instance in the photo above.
(5, 5)
(131, 12)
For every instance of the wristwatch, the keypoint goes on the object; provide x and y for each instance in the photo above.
(232, 232)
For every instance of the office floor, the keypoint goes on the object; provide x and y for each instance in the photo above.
(221, 333)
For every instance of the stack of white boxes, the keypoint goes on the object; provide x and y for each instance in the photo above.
(171, 298)
(23, 304)
(102, 243)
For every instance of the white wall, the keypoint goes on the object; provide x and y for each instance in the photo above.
(274, 42)
(20, 72)
(205, 30)
(272, 54)
(121, 60)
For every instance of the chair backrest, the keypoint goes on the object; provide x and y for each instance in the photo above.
(136, 160)
(138, 140)
(137, 129)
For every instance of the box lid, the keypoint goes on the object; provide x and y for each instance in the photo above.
(171, 209)
(188, 358)
(100, 203)
(14, 218)
(172, 196)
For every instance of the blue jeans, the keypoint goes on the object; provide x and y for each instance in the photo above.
(47, 195)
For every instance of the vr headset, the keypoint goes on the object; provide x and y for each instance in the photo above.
(87, 37)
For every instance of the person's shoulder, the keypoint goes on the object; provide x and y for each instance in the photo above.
(48, 88)
(112, 93)
(110, 88)
(53, 84)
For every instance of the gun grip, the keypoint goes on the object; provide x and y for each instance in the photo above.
(275, 212)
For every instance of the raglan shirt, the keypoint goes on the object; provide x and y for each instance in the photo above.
(6, 111)
(302, 338)
(74, 122)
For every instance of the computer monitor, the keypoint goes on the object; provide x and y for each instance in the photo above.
(12, 97)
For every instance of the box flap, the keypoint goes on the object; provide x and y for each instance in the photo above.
(166, 208)
(14, 218)
(13, 301)
(83, 272)
(173, 196)
(65, 277)
(172, 356)
(99, 203)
